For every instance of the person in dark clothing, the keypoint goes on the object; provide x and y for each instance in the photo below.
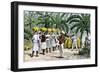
(43, 43)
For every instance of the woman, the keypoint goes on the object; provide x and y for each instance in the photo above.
(43, 43)
(53, 42)
(35, 41)
(47, 42)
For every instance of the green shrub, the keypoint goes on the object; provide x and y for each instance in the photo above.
(27, 45)
(85, 51)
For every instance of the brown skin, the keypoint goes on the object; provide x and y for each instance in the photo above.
(61, 38)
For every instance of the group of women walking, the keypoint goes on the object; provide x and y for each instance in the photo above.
(47, 40)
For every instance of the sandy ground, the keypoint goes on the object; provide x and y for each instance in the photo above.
(68, 54)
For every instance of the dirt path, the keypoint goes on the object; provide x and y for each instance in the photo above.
(68, 54)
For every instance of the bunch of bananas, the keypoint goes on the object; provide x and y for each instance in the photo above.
(68, 42)
(78, 42)
(35, 29)
(43, 29)
(49, 30)
(54, 30)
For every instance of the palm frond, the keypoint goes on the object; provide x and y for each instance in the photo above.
(74, 21)
(74, 17)
(77, 30)
(74, 26)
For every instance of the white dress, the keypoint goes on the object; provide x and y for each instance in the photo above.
(43, 45)
(35, 42)
(48, 41)
(53, 41)
(39, 43)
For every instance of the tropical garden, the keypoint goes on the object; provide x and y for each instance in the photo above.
(76, 23)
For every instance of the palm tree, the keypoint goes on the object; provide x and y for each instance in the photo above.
(59, 21)
(29, 17)
(53, 20)
(29, 21)
(27, 34)
(44, 19)
(80, 23)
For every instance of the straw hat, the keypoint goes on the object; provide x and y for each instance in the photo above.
(62, 32)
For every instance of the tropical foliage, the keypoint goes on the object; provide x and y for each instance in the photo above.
(80, 23)
(85, 51)
(73, 22)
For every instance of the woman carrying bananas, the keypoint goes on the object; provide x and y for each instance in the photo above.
(53, 42)
(35, 42)
(43, 40)
(47, 42)
(48, 47)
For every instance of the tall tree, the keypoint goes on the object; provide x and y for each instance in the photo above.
(80, 23)
(59, 20)
(28, 22)
(44, 19)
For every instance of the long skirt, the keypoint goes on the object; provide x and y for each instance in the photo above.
(48, 44)
(53, 43)
(43, 45)
(35, 47)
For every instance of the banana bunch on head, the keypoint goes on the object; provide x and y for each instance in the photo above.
(54, 30)
(49, 30)
(44, 29)
(35, 29)
(58, 30)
